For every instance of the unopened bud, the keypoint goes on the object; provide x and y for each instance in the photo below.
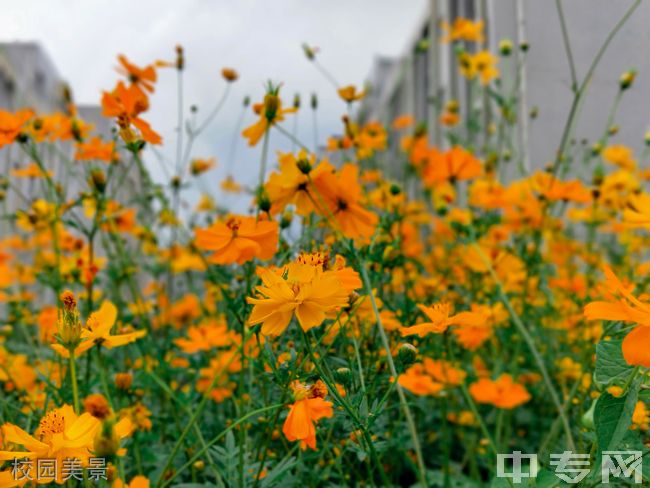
(68, 323)
(97, 180)
(505, 47)
(627, 79)
(123, 381)
(407, 354)
(107, 442)
(229, 74)
(304, 165)
(263, 201)
(343, 376)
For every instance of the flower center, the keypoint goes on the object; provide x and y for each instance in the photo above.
(52, 423)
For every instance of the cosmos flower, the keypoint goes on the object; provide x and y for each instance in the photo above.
(502, 392)
(308, 408)
(238, 239)
(61, 434)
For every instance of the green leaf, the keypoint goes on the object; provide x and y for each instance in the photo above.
(611, 367)
(613, 417)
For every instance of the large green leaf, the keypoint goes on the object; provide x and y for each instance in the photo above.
(613, 417)
(611, 367)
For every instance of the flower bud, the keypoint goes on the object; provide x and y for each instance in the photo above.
(296, 101)
(97, 406)
(627, 79)
(314, 101)
(304, 166)
(343, 376)
(229, 74)
(407, 354)
(505, 47)
(263, 201)
(596, 148)
(180, 58)
(310, 52)
(97, 180)
(107, 442)
(123, 381)
(68, 323)
(271, 105)
(285, 221)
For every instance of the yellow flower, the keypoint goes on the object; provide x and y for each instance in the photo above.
(271, 112)
(61, 434)
(620, 155)
(464, 30)
(482, 64)
(98, 332)
(350, 94)
(299, 289)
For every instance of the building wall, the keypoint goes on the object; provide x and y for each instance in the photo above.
(29, 79)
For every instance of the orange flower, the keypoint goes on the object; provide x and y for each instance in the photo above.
(431, 377)
(126, 104)
(271, 112)
(199, 166)
(342, 193)
(239, 239)
(229, 74)
(453, 165)
(136, 482)
(350, 94)
(637, 212)
(32, 170)
(217, 375)
(206, 336)
(230, 185)
(440, 320)
(622, 305)
(142, 78)
(464, 30)
(403, 121)
(303, 290)
(620, 155)
(308, 408)
(297, 182)
(11, 124)
(502, 393)
(96, 149)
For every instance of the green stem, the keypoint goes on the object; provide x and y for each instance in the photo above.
(73, 380)
(531, 345)
(393, 371)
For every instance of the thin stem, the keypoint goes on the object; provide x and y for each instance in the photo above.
(393, 371)
(567, 45)
(73, 380)
(531, 345)
(213, 441)
(579, 93)
(346, 406)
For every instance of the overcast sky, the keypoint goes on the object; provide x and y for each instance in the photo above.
(261, 39)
